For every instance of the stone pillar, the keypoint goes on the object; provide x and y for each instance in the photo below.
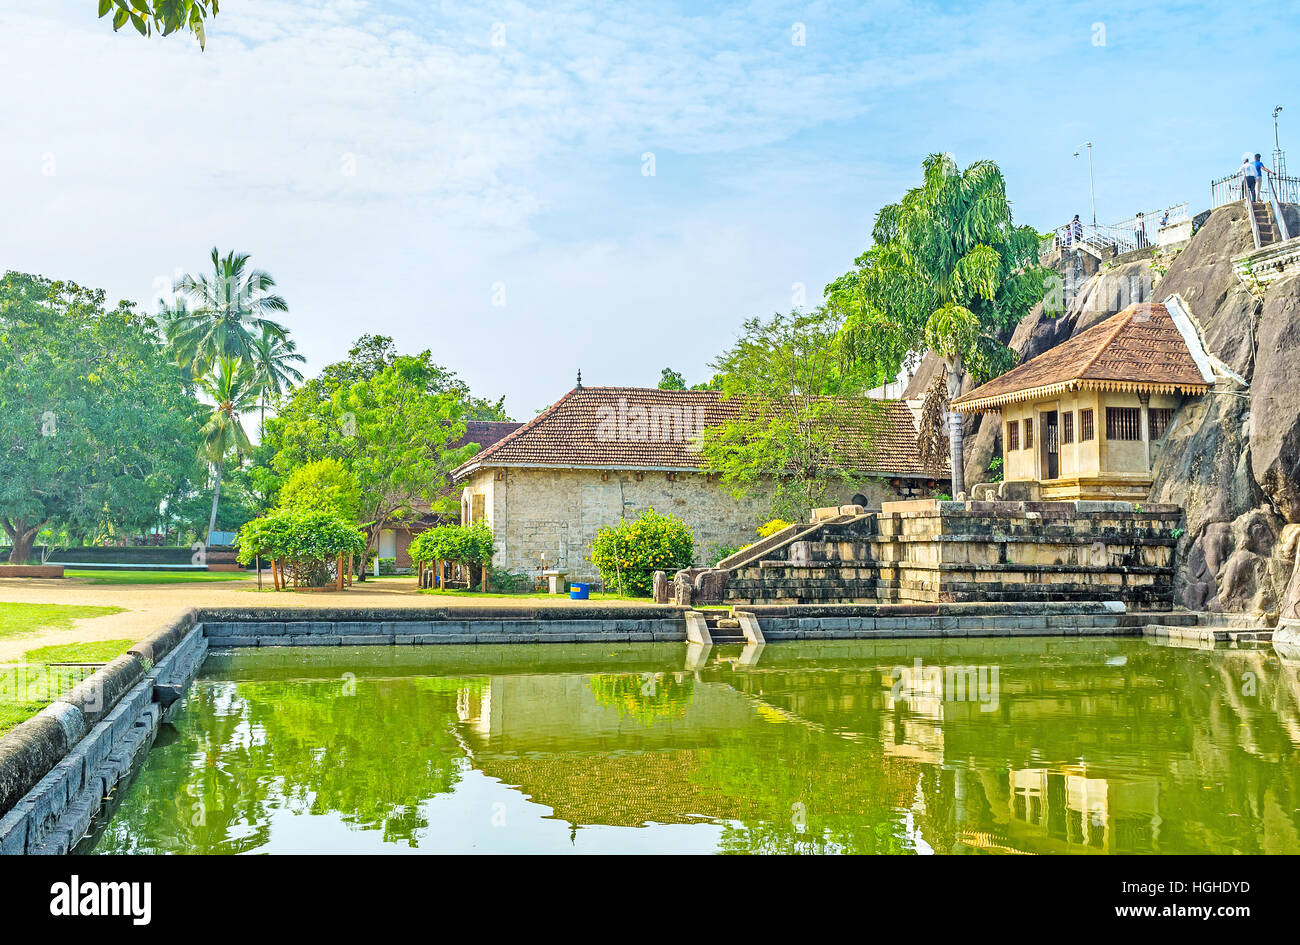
(1145, 400)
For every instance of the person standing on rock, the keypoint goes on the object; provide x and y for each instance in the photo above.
(1076, 230)
(1259, 171)
(1250, 178)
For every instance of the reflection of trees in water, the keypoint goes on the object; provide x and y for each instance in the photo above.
(803, 791)
(646, 697)
(245, 751)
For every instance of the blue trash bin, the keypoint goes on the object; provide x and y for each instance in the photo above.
(578, 591)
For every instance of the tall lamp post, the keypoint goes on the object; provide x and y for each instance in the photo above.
(1092, 189)
(1279, 159)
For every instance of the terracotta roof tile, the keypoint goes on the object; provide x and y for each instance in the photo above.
(1139, 348)
(638, 427)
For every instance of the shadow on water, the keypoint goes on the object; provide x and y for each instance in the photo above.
(1040, 745)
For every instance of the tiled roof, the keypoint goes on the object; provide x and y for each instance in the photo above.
(645, 428)
(482, 432)
(1140, 349)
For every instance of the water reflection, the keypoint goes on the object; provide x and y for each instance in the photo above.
(1038, 746)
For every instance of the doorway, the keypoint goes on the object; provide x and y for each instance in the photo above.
(1050, 446)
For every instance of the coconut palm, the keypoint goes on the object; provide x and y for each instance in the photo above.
(233, 388)
(274, 356)
(949, 272)
(222, 315)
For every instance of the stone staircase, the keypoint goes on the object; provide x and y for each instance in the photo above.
(1206, 628)
(1265, 224)
(723, 627)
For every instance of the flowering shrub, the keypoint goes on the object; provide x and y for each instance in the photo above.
(767, 529)
(629, 553)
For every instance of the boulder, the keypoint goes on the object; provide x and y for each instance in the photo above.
(1110, 292)
(1204, 465)
(1245, 585)
(1203, 275)
(1275, 399)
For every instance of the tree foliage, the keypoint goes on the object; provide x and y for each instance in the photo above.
(97, 428)
(798, 392)
(163, 17)
(948, 271)
(391, 430)
(325, 485)
(629, 553)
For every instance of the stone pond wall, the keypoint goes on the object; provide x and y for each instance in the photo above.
(57, 767)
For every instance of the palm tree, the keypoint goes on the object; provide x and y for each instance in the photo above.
(950, 272)
(274, 356)
(222, 316)
(233, 387)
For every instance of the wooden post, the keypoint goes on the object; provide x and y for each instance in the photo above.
(349, 569)
(484, 579)
(338, 573)
(275, 575)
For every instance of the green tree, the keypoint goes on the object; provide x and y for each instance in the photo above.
(671, 380)
(372, 353)
(274, 357)
(163, 17)
(223, 315)
(390, 431)
(233, 389)
(798, 393)
(948, 271)
(97, 429)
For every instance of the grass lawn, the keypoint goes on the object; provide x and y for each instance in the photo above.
(156, 577)
(27, 688)
(536, 595)
(27, 618)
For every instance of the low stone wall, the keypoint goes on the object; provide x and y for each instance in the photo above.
(57, 768)
(326, 626)
(853, 622)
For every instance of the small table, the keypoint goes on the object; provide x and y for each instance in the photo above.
(556, 581)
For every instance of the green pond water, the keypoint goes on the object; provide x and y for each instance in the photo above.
(1026, 745)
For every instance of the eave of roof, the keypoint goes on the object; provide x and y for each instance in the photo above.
(986, 404)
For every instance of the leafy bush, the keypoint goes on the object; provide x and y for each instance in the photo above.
(469, 544)
(512, 582)
(308, 542)
(720, 552)
(387, 565)
(768, 529)
(630, 552)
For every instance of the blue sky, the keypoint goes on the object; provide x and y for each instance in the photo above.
(406, 167)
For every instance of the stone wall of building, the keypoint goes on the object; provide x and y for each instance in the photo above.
(557, 512)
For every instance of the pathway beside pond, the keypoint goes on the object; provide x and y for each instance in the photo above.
(146, 607)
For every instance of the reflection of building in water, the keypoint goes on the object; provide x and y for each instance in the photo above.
(1090, 812)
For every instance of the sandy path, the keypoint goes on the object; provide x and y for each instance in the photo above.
(147, 607)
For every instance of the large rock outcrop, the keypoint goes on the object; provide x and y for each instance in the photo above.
(1232, 458)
